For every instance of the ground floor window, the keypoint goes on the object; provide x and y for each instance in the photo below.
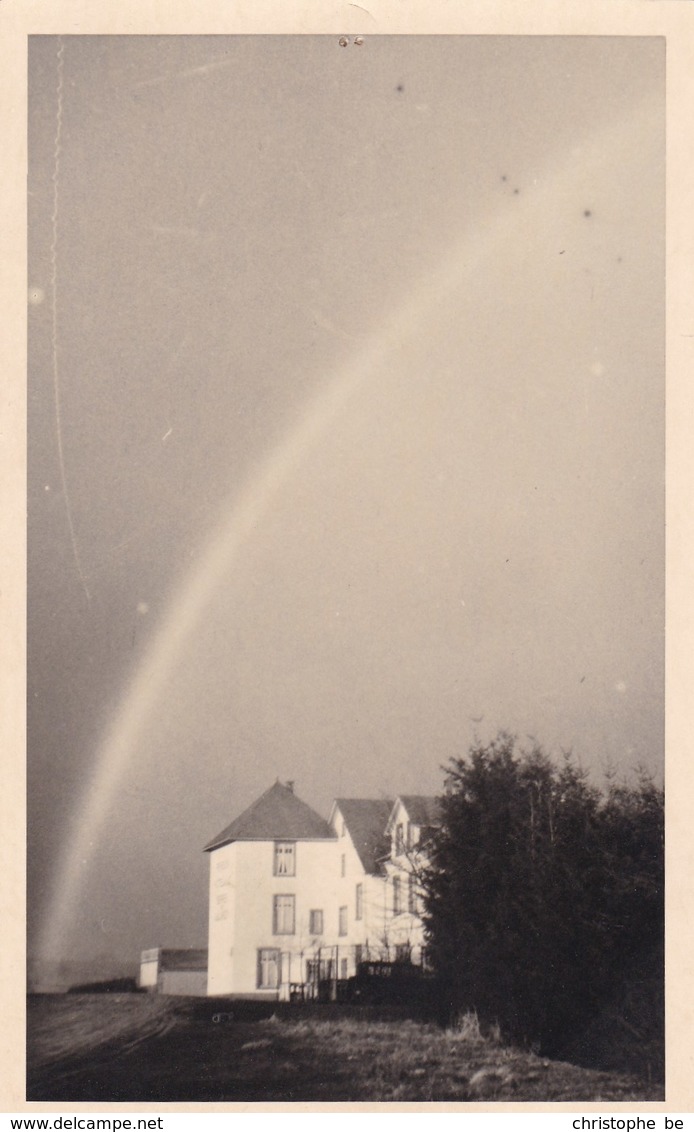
(318, 969)
(268, 968)
(343, 968)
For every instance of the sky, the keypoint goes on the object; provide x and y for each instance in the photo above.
(346, 403)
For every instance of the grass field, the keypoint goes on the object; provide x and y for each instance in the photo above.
(153, 1048)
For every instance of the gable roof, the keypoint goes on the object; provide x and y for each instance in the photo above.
(278, 815)
(423, 810)
(366, 820)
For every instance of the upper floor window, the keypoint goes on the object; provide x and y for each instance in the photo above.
(359, 902)
(412, 900)
(399, 839)
(397, 900)
(285, 859)
(342, 929)
(283, 914)
(411, 835)
(315, 921)
(343, 865)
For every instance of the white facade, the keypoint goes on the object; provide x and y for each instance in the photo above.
(149, 969)
(261, 927)
(404, 867)
(360, 897)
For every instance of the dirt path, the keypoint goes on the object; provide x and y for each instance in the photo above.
(186, 1050)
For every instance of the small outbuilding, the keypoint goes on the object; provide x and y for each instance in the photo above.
(169, 970)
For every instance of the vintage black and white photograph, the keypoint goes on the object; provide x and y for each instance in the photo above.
(346, 468)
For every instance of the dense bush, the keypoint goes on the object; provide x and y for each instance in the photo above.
(542, 893)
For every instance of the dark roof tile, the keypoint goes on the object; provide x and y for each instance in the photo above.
(422, 809)
(278, 815)
(366, 820)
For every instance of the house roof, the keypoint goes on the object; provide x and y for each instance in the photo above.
(278, 815)
(423, 810)
(366, 820)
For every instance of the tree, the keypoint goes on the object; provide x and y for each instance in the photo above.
(540, 891)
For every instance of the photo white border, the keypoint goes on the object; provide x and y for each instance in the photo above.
(671, 19)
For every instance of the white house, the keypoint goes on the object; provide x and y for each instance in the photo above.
(410, 822)
(295, 899)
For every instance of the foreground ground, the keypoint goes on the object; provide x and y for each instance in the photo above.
(152, 1048)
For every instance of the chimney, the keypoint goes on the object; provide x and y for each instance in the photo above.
(290, 785)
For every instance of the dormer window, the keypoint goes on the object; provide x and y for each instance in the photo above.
(285, 859)
(399, 838)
